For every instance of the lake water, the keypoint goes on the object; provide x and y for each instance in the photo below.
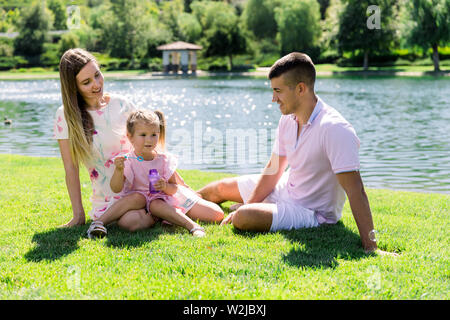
(228, 124)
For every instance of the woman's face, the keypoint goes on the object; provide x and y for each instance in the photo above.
(90, 82)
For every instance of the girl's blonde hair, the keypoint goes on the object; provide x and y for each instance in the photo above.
(151, 118)
(79, 122)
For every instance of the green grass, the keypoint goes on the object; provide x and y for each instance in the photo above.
(40, 261)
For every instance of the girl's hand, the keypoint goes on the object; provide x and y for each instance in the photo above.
(161, 185)
(119, 162)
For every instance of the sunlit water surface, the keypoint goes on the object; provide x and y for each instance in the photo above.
(228, 124)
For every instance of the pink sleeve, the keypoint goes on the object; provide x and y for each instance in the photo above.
(170, 165)
(60, 130)
(342, 148)
(278, 146)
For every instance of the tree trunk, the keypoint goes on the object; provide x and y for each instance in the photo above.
(366, 61)
(231, 62)
(436, 58)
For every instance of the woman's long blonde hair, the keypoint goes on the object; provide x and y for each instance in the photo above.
(79, 122)
(151, 118)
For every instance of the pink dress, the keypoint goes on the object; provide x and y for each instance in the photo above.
(109, 140)
(136, 180)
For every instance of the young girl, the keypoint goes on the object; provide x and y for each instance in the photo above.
(173, 203)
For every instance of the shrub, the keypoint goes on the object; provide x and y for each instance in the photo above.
(7, 63)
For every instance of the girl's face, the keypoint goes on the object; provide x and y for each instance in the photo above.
(145, 138)
(90, 82)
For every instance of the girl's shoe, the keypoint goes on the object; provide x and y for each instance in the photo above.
(197, 232)
(96, 230)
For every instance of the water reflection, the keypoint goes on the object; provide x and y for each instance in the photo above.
(228, 124)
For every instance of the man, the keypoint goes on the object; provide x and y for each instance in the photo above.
(320, 147)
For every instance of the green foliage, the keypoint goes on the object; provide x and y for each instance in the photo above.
(189, 28)
(33, 31)
(259, 18)
(51, 55)
(123, 29)
(68, 41)
(59, 13)
(222, 33)
(432, 22)
(9, 19)
(129, 31)
(432, 27)
(354, 34)
(12, 62)
(298, 26)
(170, 11)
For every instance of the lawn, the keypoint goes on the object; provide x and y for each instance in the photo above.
(38, 260)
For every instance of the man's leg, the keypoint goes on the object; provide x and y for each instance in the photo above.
(254, 216)
(222, 190)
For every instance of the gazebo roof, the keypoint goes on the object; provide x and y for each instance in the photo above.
(179, 45)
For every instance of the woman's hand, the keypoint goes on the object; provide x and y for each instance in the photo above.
(75, 221)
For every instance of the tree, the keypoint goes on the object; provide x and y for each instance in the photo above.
(33, 31)
(298, 25)
(259, 18)
(9, 19)
(432, 25)
(124, 29)
(354, 32)
(170, 11)
(189, 27)
(222, 33)
(59, 13)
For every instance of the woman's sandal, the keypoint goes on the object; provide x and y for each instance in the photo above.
(96, 230)
(197, 232)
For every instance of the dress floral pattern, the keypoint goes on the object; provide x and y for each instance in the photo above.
(109, 141)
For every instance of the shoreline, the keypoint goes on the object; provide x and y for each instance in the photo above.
(260, 72)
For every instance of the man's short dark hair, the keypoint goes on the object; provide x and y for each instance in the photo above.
(297, 67)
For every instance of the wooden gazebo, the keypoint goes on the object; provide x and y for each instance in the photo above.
(180, 54)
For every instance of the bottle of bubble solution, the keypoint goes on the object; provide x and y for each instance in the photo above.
(153, 177)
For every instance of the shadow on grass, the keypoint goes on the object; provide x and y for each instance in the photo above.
(319, 247)
(55, 243)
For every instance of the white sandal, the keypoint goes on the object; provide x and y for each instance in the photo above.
(96, 230)
(197, 232)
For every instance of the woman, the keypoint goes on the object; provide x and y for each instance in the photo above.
(90, 129)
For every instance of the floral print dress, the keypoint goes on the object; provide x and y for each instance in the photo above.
(109, 141)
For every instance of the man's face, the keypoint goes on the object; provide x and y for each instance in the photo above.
(286, 97)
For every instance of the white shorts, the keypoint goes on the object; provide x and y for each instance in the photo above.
(287, 214)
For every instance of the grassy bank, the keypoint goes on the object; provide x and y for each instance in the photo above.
(322, 70)
(40, 261)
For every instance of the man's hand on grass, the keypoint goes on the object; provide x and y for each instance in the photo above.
(233, 209)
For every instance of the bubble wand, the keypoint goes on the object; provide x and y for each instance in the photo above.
(139, 158)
